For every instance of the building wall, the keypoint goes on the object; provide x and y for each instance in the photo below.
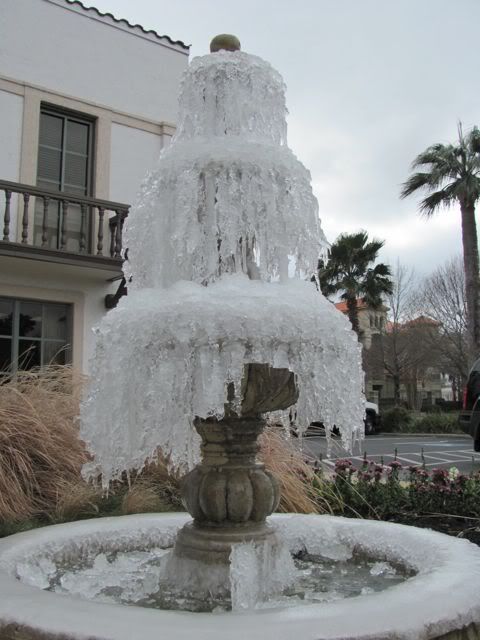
(50, 43)
(83, 289)
(11, 110)
(137, 152)
(59, 54)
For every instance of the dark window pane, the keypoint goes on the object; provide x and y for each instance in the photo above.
(75, 172)
(55, 353)
(77, 137)
(30, 322)
(51, 128)
(5, 353)
(56, 321)
(6, 317)
(49, 166)
(29, 354)
(51, 185)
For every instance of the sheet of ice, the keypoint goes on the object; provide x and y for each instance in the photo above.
(258, 571)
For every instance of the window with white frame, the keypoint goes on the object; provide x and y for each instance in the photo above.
(65, 163)
(34, 334)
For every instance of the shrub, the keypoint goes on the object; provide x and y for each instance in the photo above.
(393, 492)
(396, 419)
(437, 423)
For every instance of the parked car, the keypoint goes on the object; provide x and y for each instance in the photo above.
(469, 418)
(371, 420)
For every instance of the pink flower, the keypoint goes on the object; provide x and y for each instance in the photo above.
(395, 465)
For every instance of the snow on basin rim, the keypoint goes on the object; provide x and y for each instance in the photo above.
(442, 597)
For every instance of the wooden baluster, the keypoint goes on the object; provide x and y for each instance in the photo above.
(46, 202)
(26, 198)
(83, 225)
(112, 223)
(118, 235)
(101, 214)
(63, 237)
(6, 217)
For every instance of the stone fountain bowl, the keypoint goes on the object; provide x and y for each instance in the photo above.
(442, 600)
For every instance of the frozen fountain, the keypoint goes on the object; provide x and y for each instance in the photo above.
(222, 328)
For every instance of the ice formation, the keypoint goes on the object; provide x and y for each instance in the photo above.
(441, 597)
(222, 243)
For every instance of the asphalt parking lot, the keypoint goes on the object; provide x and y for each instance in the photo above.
(434, 451)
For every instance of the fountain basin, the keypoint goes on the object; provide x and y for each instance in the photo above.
(440, 601)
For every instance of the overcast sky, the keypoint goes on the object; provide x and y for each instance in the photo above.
(370, 84)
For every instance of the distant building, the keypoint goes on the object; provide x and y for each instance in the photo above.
(421, 384)
(87, 102)
(371, 321)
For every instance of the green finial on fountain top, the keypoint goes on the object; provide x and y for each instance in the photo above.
(226, 42)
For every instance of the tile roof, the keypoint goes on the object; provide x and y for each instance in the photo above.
(361, 304)
(342, 306)
(125, 22)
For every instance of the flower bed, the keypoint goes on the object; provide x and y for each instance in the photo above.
(442, 499)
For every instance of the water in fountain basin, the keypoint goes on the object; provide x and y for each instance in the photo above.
(139, 578)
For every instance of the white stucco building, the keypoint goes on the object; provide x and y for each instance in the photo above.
(87, 101)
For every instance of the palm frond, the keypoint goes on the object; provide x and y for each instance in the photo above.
(415, 182)
(473, 140)
(452, 173)
(442, 198)
(348, 269)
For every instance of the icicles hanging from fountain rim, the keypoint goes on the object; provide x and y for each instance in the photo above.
(228, 206)
(228, 191)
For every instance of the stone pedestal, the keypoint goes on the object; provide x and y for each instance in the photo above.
(229, 494)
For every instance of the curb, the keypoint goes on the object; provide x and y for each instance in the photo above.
(404, 434)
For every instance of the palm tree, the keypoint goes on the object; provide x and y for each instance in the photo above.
(451, 174)
(348, 271)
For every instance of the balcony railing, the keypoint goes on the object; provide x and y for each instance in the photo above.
(60, 224)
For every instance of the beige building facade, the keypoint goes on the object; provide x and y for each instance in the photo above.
(87, 102)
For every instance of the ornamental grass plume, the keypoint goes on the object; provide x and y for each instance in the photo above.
(303, 490)
(40, 451)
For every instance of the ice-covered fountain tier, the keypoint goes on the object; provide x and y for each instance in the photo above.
(221, 327)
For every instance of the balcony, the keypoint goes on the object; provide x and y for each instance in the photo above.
(60, 227)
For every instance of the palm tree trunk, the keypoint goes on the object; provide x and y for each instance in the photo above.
(472, 278)
(353, 313)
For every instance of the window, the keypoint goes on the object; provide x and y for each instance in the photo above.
(64, 164)
(33, 334)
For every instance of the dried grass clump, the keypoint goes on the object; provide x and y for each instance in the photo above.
(165, 481)
(40, 451)
(302, 489)
(142, 497)
(76, 499)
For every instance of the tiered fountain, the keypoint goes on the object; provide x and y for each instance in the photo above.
(221, 328)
